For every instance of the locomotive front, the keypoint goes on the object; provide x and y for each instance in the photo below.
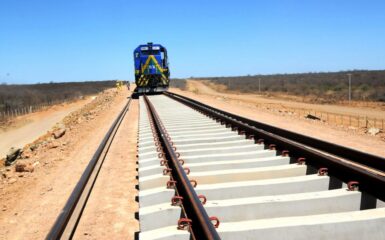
(151, 68)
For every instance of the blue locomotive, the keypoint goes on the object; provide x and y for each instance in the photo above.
(151, 68)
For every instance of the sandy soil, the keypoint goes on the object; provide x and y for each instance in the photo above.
(31, 201)
(244, 105)
(34, 125)
(110, 211)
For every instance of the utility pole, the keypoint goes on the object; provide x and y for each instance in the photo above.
(259, 85)
(350, 86)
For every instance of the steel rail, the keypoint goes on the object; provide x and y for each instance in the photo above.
(369, 182)
(354, 155)
(202, 226)
(68, 219)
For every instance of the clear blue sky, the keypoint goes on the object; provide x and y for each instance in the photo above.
(77, 40)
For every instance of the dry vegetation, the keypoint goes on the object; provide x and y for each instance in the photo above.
(178, 83)
(21, 96)
(325, 87)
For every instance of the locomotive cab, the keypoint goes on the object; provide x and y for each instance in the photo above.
(151, 68)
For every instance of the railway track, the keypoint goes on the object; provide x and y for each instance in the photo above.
(68, 220)
(208, 174)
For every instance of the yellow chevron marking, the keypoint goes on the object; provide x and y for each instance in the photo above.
(156, 64)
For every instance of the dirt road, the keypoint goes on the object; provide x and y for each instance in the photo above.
(36, 124)
(200, 87)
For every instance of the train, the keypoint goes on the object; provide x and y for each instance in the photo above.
(151, 68)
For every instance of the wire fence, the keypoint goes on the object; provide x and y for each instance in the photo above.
(11, 113)
(344, 120)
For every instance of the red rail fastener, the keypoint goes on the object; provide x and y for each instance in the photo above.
(160, 155)
(215, 220)
(181, 161)
(177, 155)
(176, 201)
(285, 153)
(323, 172)
(167, 171)
(171, 184)
(260, 141)
(187, 170)
(353, 186)
(301, 161)
(163, 162)
(250, 136)
(184, 224)
(174, 148)
(203, 199)
(159, 149)
(272, 146)
(194, 183)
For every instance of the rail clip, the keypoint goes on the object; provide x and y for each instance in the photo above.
(184, 224)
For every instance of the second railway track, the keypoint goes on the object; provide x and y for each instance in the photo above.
(216, 175)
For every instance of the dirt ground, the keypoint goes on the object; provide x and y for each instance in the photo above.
(356, 109)
(110, 211)
(31, 201)
(245, 105)
(27, 128)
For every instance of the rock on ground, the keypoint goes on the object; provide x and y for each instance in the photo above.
(59, 133)
(23, 167)
(373, 131)
(12, 155)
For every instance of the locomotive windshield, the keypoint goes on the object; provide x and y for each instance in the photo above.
(151, 52)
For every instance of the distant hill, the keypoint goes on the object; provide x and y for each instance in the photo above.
(326, 86)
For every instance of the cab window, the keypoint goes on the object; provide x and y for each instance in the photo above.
(151, 52)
